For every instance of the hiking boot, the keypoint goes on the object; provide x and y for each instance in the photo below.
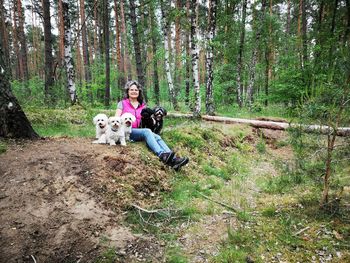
(167, 157)
(178, 162)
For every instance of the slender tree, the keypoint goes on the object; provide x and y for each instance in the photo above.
(23, 44)
(210, 57)
(69, 65)
(168, 72)
(195, 57)
(240, 56)
(137, 47)
(106, 42)
(49, 78)
(86, 58)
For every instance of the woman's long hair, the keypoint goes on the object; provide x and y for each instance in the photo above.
(139, 87)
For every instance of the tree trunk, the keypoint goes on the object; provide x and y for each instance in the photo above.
(86, 58)
(61, 33)
(121, 73)
(126, 56)
(210, 57)
(288, 18)
(18, 67)
(195, 58)
(49, 78)
(178, 52)
(154, 50)
(69, 65)
(188, 60)
(347, 30)
(240, 57)
(165, 26)
(23, 45)
(107, 62)
(5, 36)
(13, 121)
(259, 27)
(137, 47)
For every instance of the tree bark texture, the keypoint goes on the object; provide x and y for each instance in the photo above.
(209, 103)
(154, 50)
(22, 42)
(107, 62)
(195, 58)
(240, 56)
(165, 26)
(68, 58)
(13, 121)
(137, 47)
(86, 58)
(49, 78)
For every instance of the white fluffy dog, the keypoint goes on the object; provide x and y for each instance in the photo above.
(127, 120)
(115, 131)
(101, 123)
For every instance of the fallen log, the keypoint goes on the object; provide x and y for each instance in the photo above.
(322, 129)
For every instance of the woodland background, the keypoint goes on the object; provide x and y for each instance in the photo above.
(201, 56)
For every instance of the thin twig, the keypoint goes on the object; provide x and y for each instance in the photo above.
(301, 231)
(33, 258)
(219, 203)
(156, 211)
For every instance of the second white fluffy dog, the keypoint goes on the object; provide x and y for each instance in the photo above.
(115, 131)
(127, 120)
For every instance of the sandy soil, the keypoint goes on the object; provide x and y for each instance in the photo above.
(63, 200)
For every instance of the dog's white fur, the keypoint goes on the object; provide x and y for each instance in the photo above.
(101, 124)
(115, 131)
(127, 120)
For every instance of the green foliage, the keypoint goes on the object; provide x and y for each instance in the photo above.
(3, 147)
(174, 254)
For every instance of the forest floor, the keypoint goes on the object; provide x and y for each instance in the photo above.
(67, 200)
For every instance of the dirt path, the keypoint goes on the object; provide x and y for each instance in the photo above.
(63, 200)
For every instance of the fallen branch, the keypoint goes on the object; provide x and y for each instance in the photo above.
(219, 203)
(273, 125)
(301, 231)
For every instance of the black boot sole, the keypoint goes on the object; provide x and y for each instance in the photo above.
(179, 165)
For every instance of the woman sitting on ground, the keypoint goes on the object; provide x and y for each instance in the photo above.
(133, 103)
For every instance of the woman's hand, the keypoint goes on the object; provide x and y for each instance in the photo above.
(118, 113)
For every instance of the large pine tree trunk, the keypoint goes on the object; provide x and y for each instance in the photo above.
(5, 36)
(195, 58)
(18, 66)
(240, 57)
(86, 58)
(107, 62)
(13, 121)
(209, 103)
(68, 53)
(49, 78)
(165, 26)
(137, 47)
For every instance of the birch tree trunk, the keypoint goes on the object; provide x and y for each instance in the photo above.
(195, 58)
(86, 57)
(210, 57)
(154, 50)
(49, 78)
(68, 57)
(188, 60)
(165, 26)
(240, 57)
